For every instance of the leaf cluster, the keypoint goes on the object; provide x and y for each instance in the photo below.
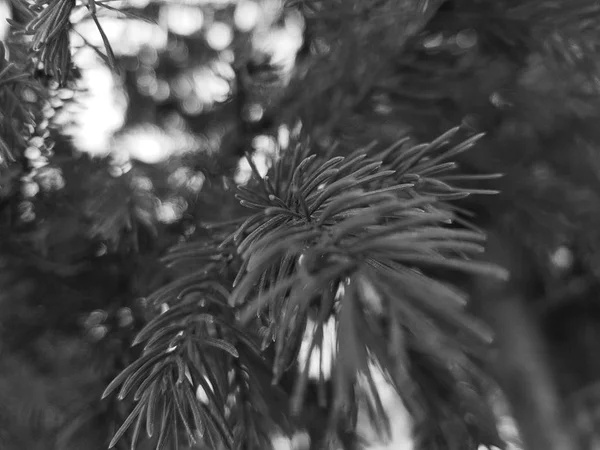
(355, 239)
(19, 113)
(48, 22)
(358, 240)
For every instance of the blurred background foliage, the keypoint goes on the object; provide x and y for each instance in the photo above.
(142, 145)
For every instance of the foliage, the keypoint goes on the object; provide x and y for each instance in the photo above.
(353, 223)
(331, 238)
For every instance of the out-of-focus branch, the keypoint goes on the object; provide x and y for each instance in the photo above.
(520, 361)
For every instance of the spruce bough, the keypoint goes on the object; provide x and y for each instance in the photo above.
(353, 223)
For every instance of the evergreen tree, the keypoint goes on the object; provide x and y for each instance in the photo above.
(299, 202)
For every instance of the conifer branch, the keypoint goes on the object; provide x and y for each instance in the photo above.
(349, 238)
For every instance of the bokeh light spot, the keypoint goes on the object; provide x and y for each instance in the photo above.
(246, 15)
(184, 20)
(219, 36)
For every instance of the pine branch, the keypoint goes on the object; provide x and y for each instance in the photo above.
(357, 239)
(50, 25)
(17, 116)
(350, 238)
